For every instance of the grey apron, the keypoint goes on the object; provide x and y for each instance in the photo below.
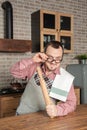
(32, 99)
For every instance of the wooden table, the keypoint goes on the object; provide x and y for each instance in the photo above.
(40, 121)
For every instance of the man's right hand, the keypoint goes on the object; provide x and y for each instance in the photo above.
(40, 57)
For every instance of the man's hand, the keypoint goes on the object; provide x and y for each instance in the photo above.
(51, 110)
(40, 57)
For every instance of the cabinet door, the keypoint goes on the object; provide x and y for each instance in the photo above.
(67, 42)
(9, 105)
(46, 37)
(48, 20)
(65, 23)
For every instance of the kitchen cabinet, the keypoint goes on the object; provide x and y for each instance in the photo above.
(9, 104)
(77, 92)
(50, 25)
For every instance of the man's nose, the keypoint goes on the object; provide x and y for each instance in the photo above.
(53, 61)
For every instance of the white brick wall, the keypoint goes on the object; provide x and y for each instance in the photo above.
(22, 10)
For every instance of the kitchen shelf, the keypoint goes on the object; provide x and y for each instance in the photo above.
(15, 45)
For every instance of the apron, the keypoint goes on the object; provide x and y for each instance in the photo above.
(32, 99)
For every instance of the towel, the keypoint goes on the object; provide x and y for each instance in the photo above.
(61, 85)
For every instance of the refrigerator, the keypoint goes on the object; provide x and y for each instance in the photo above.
(80, 73)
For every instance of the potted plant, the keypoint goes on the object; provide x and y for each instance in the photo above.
(81, 58)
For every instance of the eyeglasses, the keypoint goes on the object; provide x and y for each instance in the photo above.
(52, 59)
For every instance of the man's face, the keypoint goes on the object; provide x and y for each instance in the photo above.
(54, 58)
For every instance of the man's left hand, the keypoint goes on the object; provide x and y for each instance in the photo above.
(51, 110)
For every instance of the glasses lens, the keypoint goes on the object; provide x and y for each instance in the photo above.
(50, 59)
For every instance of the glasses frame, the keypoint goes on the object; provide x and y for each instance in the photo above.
(51, 59)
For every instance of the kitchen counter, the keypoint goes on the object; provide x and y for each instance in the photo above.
(40, 121)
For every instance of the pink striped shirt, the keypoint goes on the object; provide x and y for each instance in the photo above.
(26, 68)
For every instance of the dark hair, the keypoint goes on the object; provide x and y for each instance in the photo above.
(54, 44)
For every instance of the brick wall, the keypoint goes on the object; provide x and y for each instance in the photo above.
(22, 10)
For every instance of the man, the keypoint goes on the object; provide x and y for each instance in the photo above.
(32, 99)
